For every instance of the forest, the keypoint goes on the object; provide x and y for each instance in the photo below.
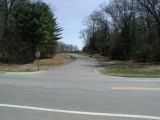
(25, 27)
(124, 30)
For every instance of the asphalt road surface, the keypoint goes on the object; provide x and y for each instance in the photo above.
(77, 91)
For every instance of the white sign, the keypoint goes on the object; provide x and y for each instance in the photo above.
(38, 54)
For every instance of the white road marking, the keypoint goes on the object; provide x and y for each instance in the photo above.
(25, 73)
(81, 113)
(136, 88)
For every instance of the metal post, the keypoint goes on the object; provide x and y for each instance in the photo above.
(38, 64)
(38, 54)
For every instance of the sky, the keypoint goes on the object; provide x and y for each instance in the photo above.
(70, 16)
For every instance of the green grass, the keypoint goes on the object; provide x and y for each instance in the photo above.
(129, 68)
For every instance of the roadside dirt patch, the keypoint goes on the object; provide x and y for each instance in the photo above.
(58, 59)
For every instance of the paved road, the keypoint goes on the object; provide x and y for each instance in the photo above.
(77, 91)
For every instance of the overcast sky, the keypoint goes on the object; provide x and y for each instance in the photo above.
(71, 14)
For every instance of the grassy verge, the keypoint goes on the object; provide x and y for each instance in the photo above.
(1, 72)
(128, 68)
(58, 59)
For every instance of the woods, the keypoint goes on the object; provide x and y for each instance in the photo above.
(125, 30)
(25, 27)
(64, 48)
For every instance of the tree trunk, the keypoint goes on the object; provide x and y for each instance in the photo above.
(158, 30)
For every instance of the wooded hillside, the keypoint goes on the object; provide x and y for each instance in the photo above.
(124, 30)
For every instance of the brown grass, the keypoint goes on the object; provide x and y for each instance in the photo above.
(128, 68)
(58, 59)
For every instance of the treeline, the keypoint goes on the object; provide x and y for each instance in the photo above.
(124, 30)
(25, 27)
(63, 47)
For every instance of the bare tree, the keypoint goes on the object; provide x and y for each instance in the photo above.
(8, 10)
(62, 47)
(153, 7)
(127, 28)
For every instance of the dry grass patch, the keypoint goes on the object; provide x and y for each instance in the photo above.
(128, 68)
(58, 59)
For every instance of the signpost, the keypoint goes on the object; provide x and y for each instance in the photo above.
(38, 54)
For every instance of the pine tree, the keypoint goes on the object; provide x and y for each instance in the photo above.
(37, 28)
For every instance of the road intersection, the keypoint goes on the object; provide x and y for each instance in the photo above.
(77, 91)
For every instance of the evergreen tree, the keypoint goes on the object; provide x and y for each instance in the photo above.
(33, 27)
(36, 25)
